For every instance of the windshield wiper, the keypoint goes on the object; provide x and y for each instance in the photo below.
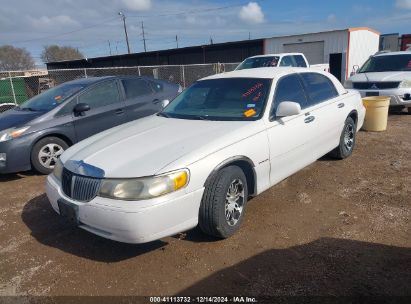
(162, 114)
(28, 109)
(200, 117)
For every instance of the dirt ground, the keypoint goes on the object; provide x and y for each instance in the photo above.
(335, 228)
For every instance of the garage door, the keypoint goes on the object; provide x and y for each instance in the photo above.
(314, 51)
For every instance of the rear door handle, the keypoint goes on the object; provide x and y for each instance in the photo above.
(119, 111)
(341, 105)
(309, 119)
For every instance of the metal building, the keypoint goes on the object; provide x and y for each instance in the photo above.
(229, 52)
(390, 42)
(344, 50)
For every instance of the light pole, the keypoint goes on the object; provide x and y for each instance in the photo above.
(125, 29)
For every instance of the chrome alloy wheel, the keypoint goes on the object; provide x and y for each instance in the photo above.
(349, 134)
(49, 154)
(234, 202)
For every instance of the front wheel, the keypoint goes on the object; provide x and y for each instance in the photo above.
(347, 140)
(223, 205)
(45, 153)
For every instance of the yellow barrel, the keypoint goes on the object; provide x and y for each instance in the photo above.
(376, 116)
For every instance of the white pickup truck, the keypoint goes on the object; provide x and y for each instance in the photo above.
(280, 60)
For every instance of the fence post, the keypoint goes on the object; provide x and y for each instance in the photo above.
(139, 73)
(85, 72)
(12, 89)
(184, 78)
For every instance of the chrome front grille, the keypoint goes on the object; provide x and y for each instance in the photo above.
(379, 85)
(78, 187)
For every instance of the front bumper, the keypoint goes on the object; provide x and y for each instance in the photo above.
(399, 97)
(132, 225)
(17, 152)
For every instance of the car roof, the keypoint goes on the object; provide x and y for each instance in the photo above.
(278, 54)
(393, 53)
(89, 80)
(264, 72)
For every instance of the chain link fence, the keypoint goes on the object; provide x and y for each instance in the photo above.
(18, 86)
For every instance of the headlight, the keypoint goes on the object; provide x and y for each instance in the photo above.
(12, 133)
(348, 84)
(58, 169)
(135, 189)
(405, 84)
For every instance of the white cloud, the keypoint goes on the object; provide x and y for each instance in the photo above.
(251, 13)
(404, 4)
(137, 5)
(331, 18)
(45, 22)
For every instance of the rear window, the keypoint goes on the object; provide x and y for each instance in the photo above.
(259, 62)
(387, 63)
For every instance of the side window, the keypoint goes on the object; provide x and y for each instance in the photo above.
(136, 87)
(289, 88)
(101, 95)
(67, 108)
(287, 61)
(318, 87)
(156, 85)
(300, 62)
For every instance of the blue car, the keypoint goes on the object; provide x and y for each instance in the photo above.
(34, 134)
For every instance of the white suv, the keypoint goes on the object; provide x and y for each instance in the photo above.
(385, 74)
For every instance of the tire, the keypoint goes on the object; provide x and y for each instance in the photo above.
(54, 147)
(218, 216)
(347, 140)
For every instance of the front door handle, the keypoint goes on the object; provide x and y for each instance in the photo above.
(119, 111)
(341, 105)
(309, 119)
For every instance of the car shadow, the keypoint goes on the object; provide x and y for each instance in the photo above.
(48, 228)
(325, 267)
(16, 176)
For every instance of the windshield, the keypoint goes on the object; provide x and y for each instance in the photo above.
(221, 99)
(387, 63)
(51, 98)
(259, 62)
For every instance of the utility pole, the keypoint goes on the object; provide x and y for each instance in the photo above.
(125, 29)
(211, 40)
(109, 46)
(177, 40)
(249, 35)
(144, 36)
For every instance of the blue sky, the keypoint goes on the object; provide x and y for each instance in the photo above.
(89, 25)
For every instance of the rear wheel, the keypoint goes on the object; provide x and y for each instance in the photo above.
(347, 140)
(224, 201)
(46, 152)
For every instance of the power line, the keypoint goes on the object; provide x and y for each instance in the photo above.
(65, 33)
(196, 11)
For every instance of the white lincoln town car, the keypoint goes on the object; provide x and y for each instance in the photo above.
(225, 139)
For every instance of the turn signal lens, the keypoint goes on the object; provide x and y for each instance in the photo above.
(180, 179)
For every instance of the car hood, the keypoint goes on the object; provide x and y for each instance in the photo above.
(15, 118)
(144, 147)
(381, 76)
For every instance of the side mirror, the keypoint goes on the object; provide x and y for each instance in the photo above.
(80, 108)
(355, 69)
(165, 103)
(288, 108)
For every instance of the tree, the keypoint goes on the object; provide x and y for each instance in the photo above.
(13, 59)
(52, 53)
